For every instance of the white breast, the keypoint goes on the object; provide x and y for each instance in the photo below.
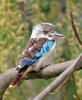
(47, 58)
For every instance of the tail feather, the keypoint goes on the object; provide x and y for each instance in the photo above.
(18, 77)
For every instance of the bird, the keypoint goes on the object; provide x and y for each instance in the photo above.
(40, 50)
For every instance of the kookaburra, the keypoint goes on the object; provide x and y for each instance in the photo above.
(39, 51)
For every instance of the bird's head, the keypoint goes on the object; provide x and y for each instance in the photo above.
(45, 30)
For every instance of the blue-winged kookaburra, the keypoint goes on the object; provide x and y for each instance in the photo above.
(39, 51)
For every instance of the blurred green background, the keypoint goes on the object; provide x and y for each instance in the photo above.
(16, 20)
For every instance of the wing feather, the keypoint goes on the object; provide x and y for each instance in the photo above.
(32, 56)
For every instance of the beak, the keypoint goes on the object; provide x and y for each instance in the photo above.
(57, 35)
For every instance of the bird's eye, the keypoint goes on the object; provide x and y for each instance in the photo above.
(45, 31)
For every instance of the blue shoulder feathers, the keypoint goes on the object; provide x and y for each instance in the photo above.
(46, 47)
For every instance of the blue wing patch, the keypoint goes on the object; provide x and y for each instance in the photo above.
(46, 47)
(26, 62)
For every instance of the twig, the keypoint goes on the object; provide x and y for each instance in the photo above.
(58, 80)
(62, 85)
(74, 28)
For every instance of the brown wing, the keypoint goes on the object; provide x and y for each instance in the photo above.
(32, 47)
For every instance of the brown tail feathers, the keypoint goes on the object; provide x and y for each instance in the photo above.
(18, 77)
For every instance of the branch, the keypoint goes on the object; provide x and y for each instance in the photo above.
(61, 78)
(74, 28)
(46, 73)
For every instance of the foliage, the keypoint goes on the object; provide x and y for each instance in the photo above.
(16, 20)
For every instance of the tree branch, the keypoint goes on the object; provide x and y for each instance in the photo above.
(46, 73)
(74, 28)
(61, 78)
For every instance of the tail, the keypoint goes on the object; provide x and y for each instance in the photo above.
(18, 77)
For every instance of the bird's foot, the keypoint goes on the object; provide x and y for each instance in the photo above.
(44, 67)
